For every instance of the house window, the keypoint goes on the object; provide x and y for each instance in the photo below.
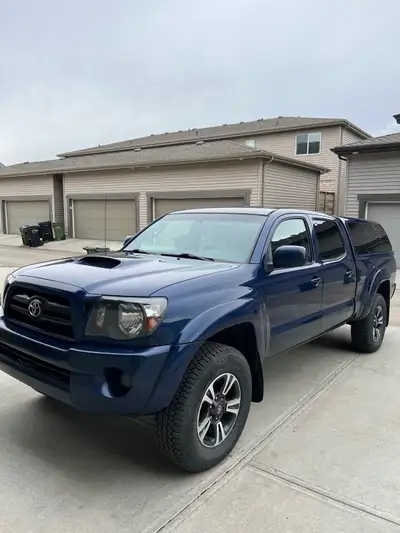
(251, 143)
(308, 144)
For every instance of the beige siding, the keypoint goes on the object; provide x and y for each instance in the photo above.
(347, 138)
(285, 143)
(58, 210)
(290, 187)
(229, 176)
(28, 186)
(372, 174)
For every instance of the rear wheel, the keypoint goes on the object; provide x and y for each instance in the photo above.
(367, 334)
(204, 421)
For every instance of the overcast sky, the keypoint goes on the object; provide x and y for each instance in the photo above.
(76, 74)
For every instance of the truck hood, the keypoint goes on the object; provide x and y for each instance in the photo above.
(120, 273)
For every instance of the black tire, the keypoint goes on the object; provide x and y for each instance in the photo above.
(177, 425)
(362, 332)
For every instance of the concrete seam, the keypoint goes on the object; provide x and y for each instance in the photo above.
(230, 467)
(305, 486)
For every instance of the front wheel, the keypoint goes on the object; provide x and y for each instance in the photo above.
(367, 334)
(205, 419)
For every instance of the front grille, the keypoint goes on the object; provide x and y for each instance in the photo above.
(60, 376)
(40, 310)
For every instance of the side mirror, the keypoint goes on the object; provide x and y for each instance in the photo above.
(126, 240)
(289, 256)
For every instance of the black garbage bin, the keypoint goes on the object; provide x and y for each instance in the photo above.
(46, 231)
(24, 235)
(33, 236)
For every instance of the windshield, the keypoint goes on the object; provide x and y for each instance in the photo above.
(224, 237)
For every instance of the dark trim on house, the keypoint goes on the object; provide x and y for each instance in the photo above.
(108, 196)
(367, 149)
(177, 195)
(364, 199)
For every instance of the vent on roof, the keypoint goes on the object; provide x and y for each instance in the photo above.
(397, 118)
(199, 142)
(137, 150)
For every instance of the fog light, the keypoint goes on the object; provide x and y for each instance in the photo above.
(117, 383)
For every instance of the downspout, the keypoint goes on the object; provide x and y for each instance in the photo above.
(339, 191)
(262, 177)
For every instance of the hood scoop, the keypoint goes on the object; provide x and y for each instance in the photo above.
(99, 261)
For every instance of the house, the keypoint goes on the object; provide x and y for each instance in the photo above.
(373, 181)
(308, 139)
(110, 195)
(114, 190)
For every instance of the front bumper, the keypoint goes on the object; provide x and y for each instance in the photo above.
(83, 377)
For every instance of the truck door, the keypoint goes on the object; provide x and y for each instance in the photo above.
(293, 296)
(338, 273)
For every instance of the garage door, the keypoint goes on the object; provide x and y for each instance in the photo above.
(21, 213)
(166, 205)
(104, 219)
(388, 215)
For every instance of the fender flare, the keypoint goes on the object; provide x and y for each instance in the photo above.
(197, 332)
(223, 316)
(378, 279)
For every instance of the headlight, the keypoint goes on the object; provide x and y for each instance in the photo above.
(9, 279)
(125, 318)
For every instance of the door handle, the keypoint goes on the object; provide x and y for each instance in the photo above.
(316, 281)
(349, 274)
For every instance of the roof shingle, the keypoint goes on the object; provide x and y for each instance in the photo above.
(197, 152)
(255, 127)
(375, 144)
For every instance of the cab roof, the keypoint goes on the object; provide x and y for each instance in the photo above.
(263, 211)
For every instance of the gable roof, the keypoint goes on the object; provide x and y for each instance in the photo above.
(198, 152)
(384, 143)
(231, 131)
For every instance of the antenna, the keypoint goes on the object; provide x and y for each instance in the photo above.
(105, 224)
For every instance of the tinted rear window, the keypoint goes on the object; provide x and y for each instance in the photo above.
(368, 237)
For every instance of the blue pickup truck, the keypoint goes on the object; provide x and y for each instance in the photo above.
(178, 322)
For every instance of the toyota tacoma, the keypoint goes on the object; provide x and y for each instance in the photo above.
(178, 322)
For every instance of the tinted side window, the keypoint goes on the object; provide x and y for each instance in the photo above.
(368, 237)
(329, 239)
(294, 232)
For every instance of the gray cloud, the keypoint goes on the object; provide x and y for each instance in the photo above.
(75, 74)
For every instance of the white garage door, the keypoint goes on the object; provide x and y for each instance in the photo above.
(20, 213)
(166, 205)
(112, 220)
(388, 215)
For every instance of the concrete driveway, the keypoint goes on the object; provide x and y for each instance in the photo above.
(320, 454)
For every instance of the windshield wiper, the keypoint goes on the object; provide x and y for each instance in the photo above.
(187, 255)
(136, 251)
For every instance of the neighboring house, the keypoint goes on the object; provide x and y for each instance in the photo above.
(373, 182)
(306, 139)
(113, 190)
(111, 195)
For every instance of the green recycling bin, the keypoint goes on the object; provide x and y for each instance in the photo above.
(58, 229)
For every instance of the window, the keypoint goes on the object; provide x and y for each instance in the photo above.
(329, 239)
(368, 237)
(308, 144)
(291, 232)
(225, 237)
(251, 143)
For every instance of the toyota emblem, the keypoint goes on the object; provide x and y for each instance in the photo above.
(35, 308)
